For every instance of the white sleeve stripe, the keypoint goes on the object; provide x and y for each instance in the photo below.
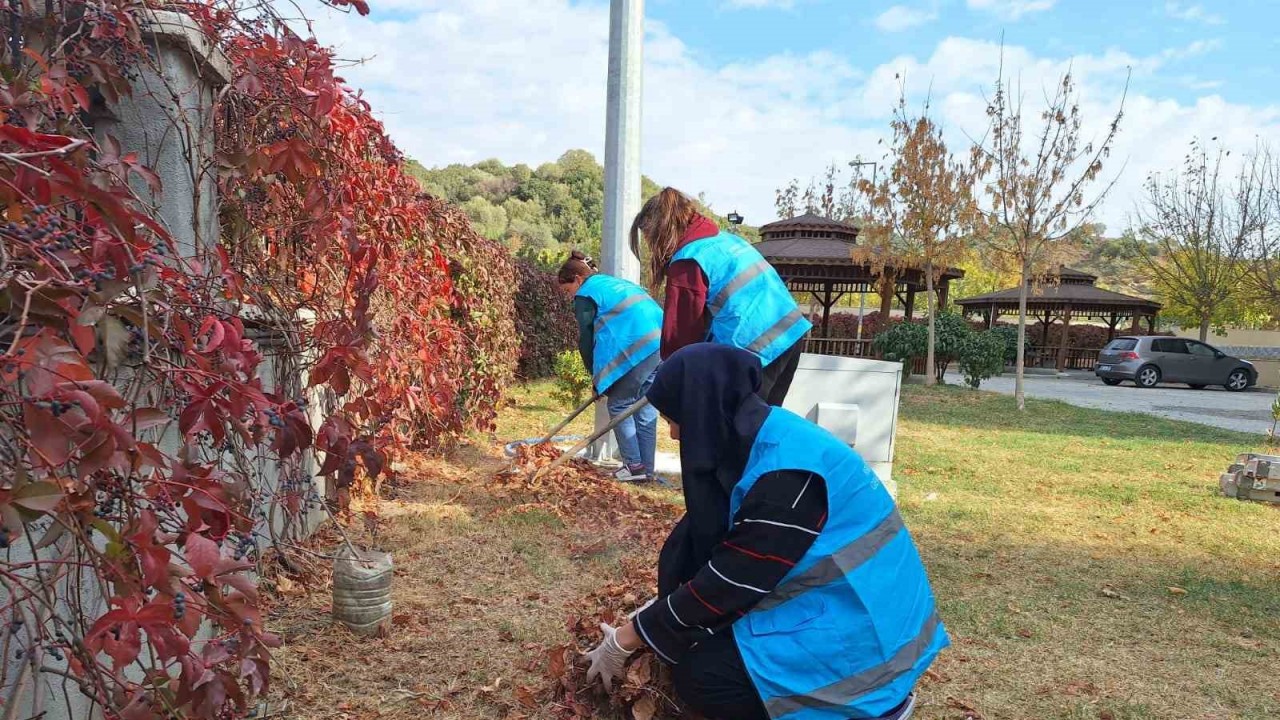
(647, 641)
(806, 487)
(778, 524)
(736, 584)
(682, 622)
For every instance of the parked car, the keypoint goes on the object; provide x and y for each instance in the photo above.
(1149, 361)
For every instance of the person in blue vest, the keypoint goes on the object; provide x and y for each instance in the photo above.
(619, 331)
(791, 588)
(719, 288)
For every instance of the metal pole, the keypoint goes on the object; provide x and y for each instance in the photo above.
(621, 159)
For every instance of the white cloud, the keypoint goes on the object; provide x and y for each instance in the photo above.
(1191, 13)
(901, 17)
(1011, 9)
(466, 80)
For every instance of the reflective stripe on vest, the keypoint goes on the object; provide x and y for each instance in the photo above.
(627, 357)
(842, 692)
(859, 599)
(836, 565)
(749, 303)
(627, 327)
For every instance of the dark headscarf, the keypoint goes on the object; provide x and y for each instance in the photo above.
(710, 392)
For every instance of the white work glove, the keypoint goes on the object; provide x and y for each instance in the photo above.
(609, 659)
(642, 608)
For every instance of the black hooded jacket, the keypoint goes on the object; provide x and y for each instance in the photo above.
(711, 572)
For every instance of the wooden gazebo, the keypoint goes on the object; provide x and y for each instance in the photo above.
(1066, 295)
(814, 255)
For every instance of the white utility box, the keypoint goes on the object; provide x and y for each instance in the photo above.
(854, 399)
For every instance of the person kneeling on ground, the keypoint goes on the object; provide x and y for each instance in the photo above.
(790, 588)
(619, 333)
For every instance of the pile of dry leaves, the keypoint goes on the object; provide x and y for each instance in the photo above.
(577, 491)
(644, 693)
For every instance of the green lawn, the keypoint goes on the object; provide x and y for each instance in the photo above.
(1084, 563)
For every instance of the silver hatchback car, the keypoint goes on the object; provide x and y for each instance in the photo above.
(1149, 361)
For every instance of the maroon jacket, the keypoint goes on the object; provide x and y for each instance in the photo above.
(685, 319)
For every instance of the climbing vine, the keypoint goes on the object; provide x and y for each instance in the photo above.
(158, 402)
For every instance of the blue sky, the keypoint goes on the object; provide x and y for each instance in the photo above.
(743, 95)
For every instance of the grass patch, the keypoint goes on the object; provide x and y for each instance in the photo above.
(1083, 563)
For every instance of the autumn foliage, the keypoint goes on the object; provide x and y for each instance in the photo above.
(136, 413)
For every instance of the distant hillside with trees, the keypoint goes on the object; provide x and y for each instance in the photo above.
(541, 213)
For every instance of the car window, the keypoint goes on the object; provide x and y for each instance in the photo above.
(1169, 345)
(1200, 349)
(1122, 345)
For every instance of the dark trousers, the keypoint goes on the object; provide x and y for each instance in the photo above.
(712, 680)
(779, 374)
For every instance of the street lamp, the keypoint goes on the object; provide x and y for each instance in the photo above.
(734, 218)
(862, 296)
(875, 167)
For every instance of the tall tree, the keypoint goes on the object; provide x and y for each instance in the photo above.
(1037, 187)
(1195, 229)
(927, 205)
(1262, 276)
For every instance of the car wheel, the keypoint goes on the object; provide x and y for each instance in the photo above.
(1238, 380)
(1193, 386)
(1111, 381)
(1148, 377)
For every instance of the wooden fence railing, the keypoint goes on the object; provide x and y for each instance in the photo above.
(1077, 358)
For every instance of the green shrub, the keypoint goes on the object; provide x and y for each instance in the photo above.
(982, 356)
(951, 333)
(573, 382)
(1009, 336)
(904, 342)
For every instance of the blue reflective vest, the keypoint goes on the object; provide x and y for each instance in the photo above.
(852, 627)
(628, 327)
(750, 306)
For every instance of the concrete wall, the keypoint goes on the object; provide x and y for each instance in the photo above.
(1237, 338)
(168, 121)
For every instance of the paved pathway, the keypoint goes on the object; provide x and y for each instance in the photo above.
(1246, 411)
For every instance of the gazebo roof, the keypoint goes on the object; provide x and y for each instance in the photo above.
(1074, 289)
(808, 221)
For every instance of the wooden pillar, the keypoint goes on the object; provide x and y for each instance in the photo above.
(826, 312)
(911, 303)
(943, 290)
(1151, 324)
(990, 317)
(1066, 339)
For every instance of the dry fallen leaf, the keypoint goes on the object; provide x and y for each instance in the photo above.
(644, 709)
(1024, 633)
(525, 696)
(1174, 590)
(970, 712)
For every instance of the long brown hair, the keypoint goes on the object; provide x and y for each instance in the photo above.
(579, 265)
(663, 221)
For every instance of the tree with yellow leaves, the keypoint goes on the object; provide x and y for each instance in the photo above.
(922, 213)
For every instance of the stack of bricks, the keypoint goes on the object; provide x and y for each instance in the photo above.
(1253, 477)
